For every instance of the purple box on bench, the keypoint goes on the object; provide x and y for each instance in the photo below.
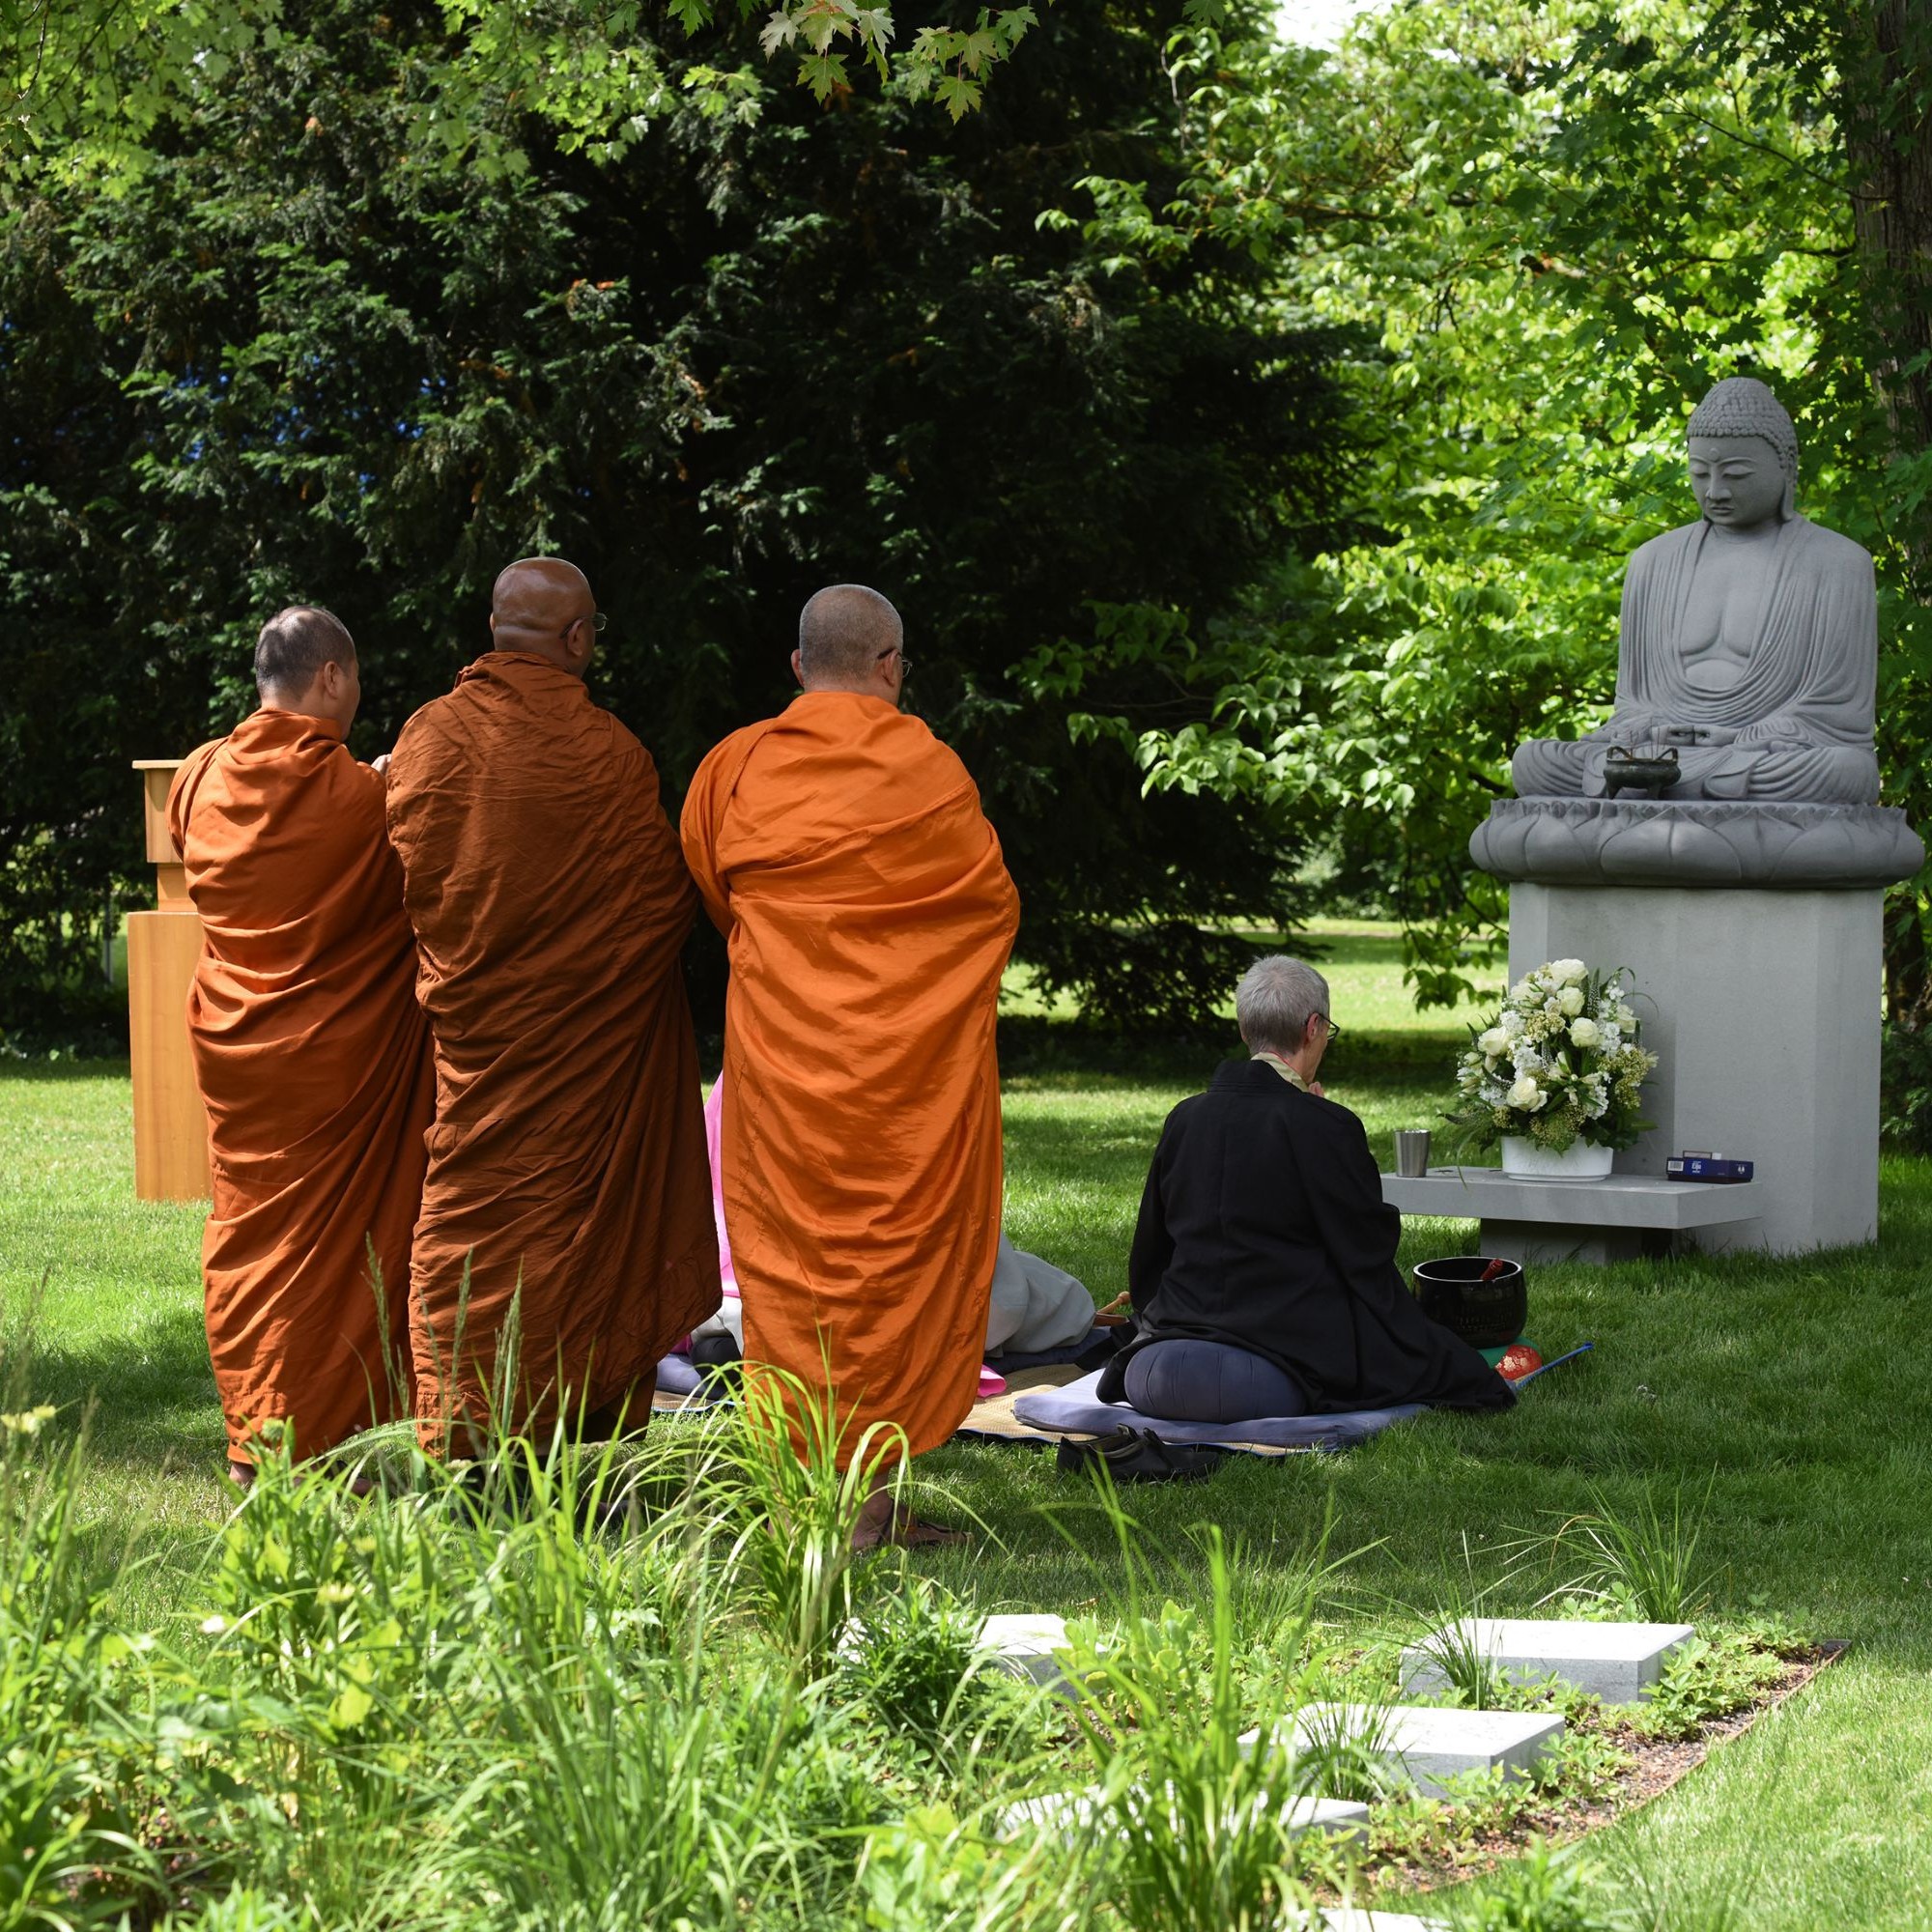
(1707, 1167)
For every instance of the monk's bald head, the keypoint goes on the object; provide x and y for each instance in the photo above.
(305, 661)
(543, 605)
(294, 646)
(849, 640)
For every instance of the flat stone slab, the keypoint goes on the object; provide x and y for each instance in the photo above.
(1024, 1646)
(1428, 1743)
(1354, 1919)
(1617, 1201)
(1332, 1817)
(1618, 1663)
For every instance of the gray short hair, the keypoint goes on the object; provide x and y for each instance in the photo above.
(296, 644)
(1276, 999)
(843, 632)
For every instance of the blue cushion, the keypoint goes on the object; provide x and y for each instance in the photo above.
(1190, 1381)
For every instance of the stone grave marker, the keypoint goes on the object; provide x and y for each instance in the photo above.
(1023, 1646)
(1426, 1742)
(1355, 1918)
(1618, 1663)
(1333, 1817)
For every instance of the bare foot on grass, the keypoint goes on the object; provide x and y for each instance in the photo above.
(883, 1522)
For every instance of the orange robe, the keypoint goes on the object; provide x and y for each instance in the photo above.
(313, 1061)
(567, 1169)
(841, 849)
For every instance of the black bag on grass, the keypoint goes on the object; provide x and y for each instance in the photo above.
(1140, 1456)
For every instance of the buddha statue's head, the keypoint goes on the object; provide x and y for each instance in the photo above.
(1742, 453)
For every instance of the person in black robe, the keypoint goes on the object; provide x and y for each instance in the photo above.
(1262, 1273)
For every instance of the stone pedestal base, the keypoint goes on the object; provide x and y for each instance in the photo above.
(1765, 1006)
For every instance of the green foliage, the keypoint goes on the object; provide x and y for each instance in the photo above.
(1711, 1675)
(70, 1850)
(1562, 222)
(1202, 1831)
(1582, 1763)
(793, 1484)
(1550, 1889)
(913, 1653)
(930, 1872)
(1643, 1560)
(309, 350)
(1906, 1085)
(109, 71)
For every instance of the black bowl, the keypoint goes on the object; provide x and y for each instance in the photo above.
(1486, 1313)
(1639, 773)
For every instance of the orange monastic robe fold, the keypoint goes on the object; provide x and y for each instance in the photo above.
(313, 1061)
(841, 849)
(567, 1161)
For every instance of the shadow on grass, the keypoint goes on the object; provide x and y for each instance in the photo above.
(42, 1073)
(151, 1385)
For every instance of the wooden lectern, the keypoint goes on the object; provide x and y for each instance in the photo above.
(170, 1124)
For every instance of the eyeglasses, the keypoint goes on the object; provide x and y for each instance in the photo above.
(905, 662)
(596, 621)
(1334, 1031)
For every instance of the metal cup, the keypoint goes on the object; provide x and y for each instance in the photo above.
(1411, 1150)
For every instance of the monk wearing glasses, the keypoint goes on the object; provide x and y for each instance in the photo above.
(567, 1236)
(841, 850)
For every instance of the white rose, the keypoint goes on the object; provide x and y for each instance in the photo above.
(1569, 972)
(1571, 1000)
(1494, 1041)
(1522, 993)
(1525, 1093)
(1584, 1033)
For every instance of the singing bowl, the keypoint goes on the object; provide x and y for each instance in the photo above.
(1486, 1313)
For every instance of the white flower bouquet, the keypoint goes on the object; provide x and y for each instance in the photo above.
(1562, 1062)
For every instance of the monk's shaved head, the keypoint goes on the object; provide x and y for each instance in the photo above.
(294, 646)
(543, 606)
(843, 633)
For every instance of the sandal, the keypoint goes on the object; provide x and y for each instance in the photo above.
(903, 1530)
(1140, 1456)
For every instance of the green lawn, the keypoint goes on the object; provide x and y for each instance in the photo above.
(1788, 1399)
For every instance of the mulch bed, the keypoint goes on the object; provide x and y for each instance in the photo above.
(1659, 1763)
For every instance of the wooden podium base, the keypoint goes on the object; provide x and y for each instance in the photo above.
(170, 1123)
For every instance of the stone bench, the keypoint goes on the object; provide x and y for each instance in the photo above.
(1618, 1218)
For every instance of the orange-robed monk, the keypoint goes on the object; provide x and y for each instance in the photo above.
(567, 1173)
(310, 1052)
(841, 850)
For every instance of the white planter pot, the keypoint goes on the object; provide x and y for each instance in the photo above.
(1524, 1160)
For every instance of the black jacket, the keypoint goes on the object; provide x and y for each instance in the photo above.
(1263, 1224)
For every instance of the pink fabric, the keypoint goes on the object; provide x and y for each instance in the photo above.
(991, 1383)
(714, 1120)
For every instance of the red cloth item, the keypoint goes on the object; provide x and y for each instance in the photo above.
(1518, 1359)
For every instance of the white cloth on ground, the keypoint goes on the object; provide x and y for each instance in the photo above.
(1036, 1306)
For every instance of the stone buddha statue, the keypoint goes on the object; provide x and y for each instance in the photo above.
(1748, 638)
(1740, 748)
